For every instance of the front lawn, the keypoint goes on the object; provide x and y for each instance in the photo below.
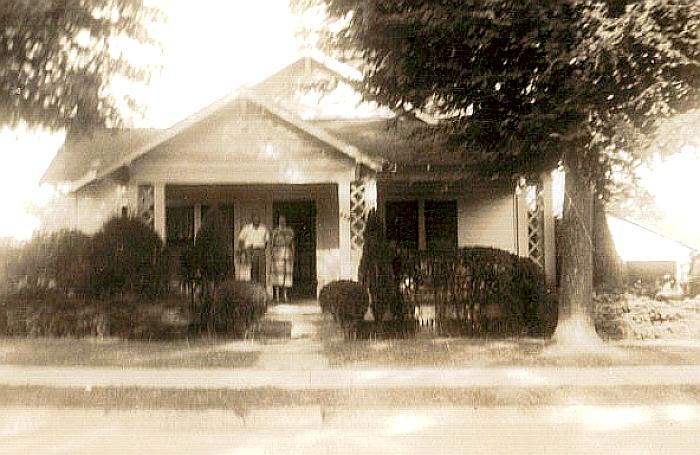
(483, 352)
(94, 352)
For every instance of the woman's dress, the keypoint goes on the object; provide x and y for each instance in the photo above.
(282, 257)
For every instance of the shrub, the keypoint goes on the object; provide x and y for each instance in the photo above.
(213, 248)
(490, 290)
(127, 257)
(164, 318)
(233, 308)
(346, 300)
(59, 260)
(50, 313)
(377, 272)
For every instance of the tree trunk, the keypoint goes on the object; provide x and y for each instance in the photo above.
(575, 327)
(607, 266)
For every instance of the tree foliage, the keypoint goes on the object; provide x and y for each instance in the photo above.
(521, 85)
(57, 58)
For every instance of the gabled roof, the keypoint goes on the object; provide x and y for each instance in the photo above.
(401, 140)
(103, 152)
(369, 141)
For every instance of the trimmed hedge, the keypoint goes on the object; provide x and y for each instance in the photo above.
(346, 300)
(50, 313)
(60, 260)
(487, 289)
(234, 307)
(127, 257)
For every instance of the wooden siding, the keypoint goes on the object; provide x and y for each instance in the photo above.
(487, 220)
(242, 144)
(88, 209)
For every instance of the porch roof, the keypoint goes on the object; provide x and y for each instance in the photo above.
(399, 141)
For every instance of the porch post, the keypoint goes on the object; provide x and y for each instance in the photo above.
(159, 209)
(197, 218)
(345, 256)
(371, 196)
(550, 257)
(521, 221)
(422, 241)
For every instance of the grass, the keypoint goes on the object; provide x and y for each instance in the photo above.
(241, 401)
(92, 352)
(484, 352)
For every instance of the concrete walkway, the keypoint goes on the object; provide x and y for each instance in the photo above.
(304, 348)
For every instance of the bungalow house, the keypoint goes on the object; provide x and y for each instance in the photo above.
(322, 158)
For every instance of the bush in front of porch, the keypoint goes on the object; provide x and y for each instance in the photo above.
(232, 309)
(116, 284)
(478, 290)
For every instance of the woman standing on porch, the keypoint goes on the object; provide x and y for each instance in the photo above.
(282, 258)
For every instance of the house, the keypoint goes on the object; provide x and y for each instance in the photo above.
(649, 255)
(323, 159)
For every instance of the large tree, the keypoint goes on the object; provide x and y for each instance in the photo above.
(522, 85)
(58, 57)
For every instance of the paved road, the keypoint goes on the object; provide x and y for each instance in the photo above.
(557, 430)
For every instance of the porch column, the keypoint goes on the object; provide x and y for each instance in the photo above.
(371, 196)
(345, 256)
(197, 218)
(159, 209)
(422, 241)
(550, 256)
(521, 221)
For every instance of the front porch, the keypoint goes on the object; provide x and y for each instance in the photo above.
(317, 212)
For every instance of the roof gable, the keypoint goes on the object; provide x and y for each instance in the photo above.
(241, 144)
(369, 134)
(316, 87)
(99, 154)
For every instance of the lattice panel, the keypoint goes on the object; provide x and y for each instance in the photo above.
(535, 224)
(358, 212)
(145, 208)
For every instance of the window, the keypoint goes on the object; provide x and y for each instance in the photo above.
(179, 225)
(402, 223)
(441, 225)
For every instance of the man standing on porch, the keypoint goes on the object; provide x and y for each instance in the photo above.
(252, 242)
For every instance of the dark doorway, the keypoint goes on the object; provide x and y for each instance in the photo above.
(301, 217)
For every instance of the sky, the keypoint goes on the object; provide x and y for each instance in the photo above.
(209, 48)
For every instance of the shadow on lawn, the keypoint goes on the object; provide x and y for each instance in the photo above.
(93, 352)
(427, 352)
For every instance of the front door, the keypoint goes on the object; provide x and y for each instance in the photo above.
(301, 217)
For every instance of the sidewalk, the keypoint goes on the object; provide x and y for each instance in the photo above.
(330, 379)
